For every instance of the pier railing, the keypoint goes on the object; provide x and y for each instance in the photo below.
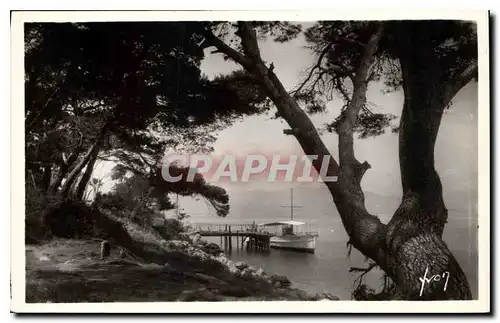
(213, 229)
(247, 235)
(233, 227)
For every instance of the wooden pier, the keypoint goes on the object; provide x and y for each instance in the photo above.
(257, 240)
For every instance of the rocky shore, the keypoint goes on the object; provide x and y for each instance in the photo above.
(195, 246)
(143, 265)
(73, 271)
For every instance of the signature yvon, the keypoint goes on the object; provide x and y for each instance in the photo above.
(434, 278)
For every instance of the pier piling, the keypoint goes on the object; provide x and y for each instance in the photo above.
(257, 240)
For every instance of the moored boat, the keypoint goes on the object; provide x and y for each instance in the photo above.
(291, 237)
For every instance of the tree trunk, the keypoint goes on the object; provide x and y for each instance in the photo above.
(128, 92)
(73, 175)
(363, 228)
(423, 85)
(410, 246)
(82, 185)
(414, 232)
(64, 167)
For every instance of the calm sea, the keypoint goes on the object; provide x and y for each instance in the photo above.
(328, 268)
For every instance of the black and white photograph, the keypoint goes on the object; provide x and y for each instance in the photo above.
(277, 162)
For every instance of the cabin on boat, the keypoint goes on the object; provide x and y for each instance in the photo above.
(292, 235)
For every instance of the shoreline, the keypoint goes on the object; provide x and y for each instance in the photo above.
(70, 270)
(140, 264)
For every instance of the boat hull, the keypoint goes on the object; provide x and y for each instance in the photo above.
(303, 243)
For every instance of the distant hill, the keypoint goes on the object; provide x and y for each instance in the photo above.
(265, 203)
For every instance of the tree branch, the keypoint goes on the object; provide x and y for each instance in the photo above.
(249, 41)
(350, 40)
(104, 158)
(365, 230)
(314, 67)
(35, 119)
(363, 270)
(230, 52)
(344, 70)
(459, 81)
(357, 102)
(323, 53)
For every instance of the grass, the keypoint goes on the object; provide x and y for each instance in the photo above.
(71, 270)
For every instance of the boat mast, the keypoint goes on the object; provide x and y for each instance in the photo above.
(291, 206)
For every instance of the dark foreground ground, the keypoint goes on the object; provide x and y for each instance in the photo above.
(72, 271)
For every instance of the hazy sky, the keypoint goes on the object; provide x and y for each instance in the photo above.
(456, 147)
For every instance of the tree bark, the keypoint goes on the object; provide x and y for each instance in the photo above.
(128, 92)
(410, 245)
(73, 175)
(64, 167)
(414, 232)
(82, 185)
(423, 85)
(363, 228)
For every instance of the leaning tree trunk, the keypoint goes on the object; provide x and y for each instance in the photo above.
(82, 185)
(127, 96)
(409, 247)
(364, 229)
(73, 175)
(64, 167)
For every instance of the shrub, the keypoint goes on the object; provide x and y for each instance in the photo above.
(36, 202)
(171, 230)
(74, 219)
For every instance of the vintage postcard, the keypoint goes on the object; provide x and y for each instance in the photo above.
(282, 162)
